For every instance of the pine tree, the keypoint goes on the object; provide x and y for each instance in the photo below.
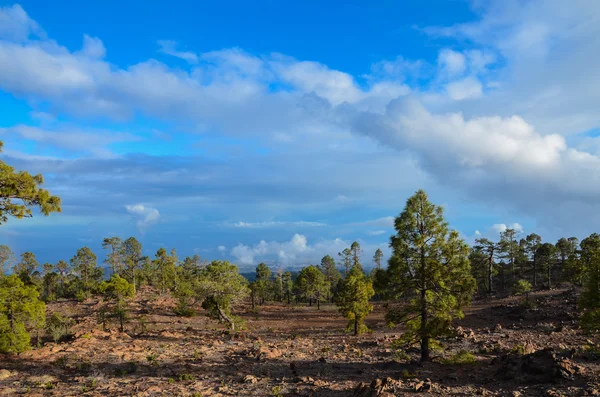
(84, 265)
(431, 266)
(346, 260)
(568, 253)
(7, 258)
(353, 299)
(20, 191)
(131, 251)
(356, 253)
(26, 266)
(590, 298)
(377, 258)
(118, 290)
(313, 285)
(483, 263)
(263, 274)
(222, 287)
(332, 274)
(532, 244)
(509, 250)
(114, 259)
(288, 286)
(20, 311)
(546, 256)
(164, 270)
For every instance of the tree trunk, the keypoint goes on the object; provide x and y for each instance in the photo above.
(226, 318)
(318, 304)
(490, 272)
(549, 274)
(355, 325)
(534, 270)
(424, 332)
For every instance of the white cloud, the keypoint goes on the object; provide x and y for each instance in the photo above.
(452, 63)
(376, 232)
(16, 25)
(145, 216)
(293, 252)
(169, 47)
(93, 47)
(467, 88)
(385, 222)
(268, 224)
(508, 144)
(501, 227)
(65, 137)
(221, 248)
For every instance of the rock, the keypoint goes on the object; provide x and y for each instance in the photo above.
(423, 386)
(4, 374)
(250, 379)
(541, 366)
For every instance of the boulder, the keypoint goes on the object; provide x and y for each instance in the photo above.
(542, 366)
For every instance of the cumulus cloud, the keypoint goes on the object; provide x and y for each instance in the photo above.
(501, 227)
(16, 25)
(145, 216)
(295, 252)
(506, 146)
(452, 63)
(467, 88)
(169, 47)
(93, 47)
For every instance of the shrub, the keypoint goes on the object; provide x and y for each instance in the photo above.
(59, 327)
(462, 357)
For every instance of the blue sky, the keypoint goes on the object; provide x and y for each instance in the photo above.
(283, 131)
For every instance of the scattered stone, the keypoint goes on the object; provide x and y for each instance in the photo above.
(250, 379)
(4, 374)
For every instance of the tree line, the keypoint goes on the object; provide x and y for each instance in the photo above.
(431, 275)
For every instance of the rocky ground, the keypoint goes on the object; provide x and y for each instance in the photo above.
(299, 351)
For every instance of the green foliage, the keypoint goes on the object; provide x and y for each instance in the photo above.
(84, 265)
(590, 298)
(462, 357)
(546, 256)
(353, 299)
(117, 290)
(377, 257)
(131, 254)
(20, 311)
(380, 283)
(483, 265)
(430, 265)
(59, 327)
(288, 285)
(509, 249)
(221, 287)
(261, 284)
(312, 284)
(346, 260)
(332, 274)
(26, 266)
(523, 287)
(114, 257)
(20, 191)
(164, 269)
(7, 258)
